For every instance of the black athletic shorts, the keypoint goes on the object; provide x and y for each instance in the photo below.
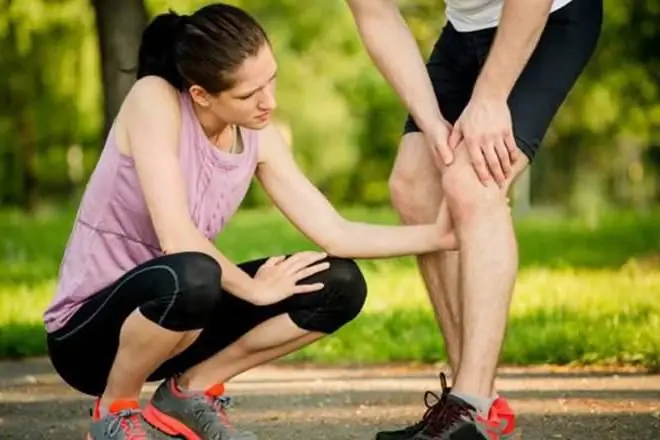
(566, 45)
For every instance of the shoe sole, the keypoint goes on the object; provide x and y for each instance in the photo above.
(167, 424)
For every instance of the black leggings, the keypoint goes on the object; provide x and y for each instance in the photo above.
(182, 292)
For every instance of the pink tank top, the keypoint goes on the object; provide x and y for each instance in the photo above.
(113, 232)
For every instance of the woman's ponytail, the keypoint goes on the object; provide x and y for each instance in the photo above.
(158, 49)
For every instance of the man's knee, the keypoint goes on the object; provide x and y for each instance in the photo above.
(414, 183)
(401, 188)
(340, 301)
(466, 196)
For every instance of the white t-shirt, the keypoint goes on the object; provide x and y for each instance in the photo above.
(473, 15)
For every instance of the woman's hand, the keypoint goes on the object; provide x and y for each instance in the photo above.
(278, 277)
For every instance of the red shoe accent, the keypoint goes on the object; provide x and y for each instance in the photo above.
(502, 410)
(96, 413)
(167, 424)
(493, 427)
(216, 390)
(122, 404)
(114, 407)
(132, 429)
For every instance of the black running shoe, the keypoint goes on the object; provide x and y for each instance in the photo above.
(458, 420)
(431, 409)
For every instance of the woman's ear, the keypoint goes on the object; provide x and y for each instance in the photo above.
(200, 96)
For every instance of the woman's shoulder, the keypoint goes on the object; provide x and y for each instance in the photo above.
(152, 91)
(151, 101)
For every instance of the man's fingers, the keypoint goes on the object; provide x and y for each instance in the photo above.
(446, 153)
(505, 159)
(455, 137)
(511, 146)
(478, 161)
(493, 163)
(481, 168)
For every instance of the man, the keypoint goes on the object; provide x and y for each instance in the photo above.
(478, 112)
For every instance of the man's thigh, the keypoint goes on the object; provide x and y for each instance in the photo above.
(563, 51)
(452, 69)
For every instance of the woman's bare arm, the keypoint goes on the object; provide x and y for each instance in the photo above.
(310, 211)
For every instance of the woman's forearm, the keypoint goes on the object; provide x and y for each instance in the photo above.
(360, 240)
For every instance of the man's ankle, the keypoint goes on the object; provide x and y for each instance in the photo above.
(481, 404)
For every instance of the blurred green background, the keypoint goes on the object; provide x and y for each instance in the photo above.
(587, 214)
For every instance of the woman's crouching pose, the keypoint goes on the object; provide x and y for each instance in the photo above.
(144, 295)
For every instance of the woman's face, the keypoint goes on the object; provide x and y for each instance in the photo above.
(251, 101)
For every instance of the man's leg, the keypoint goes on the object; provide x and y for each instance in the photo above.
(489, 262)
(415, 182)
(416, 189)
(483, 222)
(417, 196)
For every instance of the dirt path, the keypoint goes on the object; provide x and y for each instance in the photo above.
(287, 403)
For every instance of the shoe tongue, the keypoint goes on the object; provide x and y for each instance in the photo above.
(216, 390)
(123, 404)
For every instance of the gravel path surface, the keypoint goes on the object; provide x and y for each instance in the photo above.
(309, 403)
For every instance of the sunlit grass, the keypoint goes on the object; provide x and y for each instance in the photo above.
(584, 294)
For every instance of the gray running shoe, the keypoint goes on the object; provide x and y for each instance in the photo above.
(122, 422)
(192, 415)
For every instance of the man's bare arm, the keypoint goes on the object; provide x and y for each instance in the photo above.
(395, 53)
(520, 29)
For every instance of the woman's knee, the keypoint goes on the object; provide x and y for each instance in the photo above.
(340, 301)
(195, 294)
(349, 286)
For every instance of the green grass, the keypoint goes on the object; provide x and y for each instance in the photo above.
(587, 294)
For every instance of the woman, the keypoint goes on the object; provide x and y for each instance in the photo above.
(143, 293)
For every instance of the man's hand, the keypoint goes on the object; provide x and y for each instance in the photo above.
(485, 125)
(437, 137)
(485, 128)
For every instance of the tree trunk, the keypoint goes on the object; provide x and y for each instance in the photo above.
(119, 25)
(18, 99)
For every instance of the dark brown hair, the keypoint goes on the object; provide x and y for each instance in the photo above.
(204, 48)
